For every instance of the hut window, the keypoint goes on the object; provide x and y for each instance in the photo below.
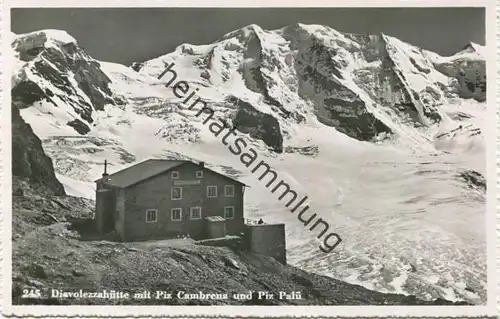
(176, 193)
(151, 215)
(229, 212)
(176, 214)
(195, 212)
(229, 190)
(212, 191)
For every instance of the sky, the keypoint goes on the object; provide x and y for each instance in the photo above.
(126, 35)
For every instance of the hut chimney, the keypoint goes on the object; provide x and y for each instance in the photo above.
(105, 169)
(202, 164)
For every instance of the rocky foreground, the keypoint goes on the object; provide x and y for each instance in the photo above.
(49, 253)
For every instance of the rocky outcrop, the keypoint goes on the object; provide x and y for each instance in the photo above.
(259, 125)
(386, 84)
(335, 104)
(404, 66)
(75, 79)
(473, 180)
(257, 71)
(28, 158)
(311, 151)
(137, 66)
(79, 126)
(469, 75)
(26, 92)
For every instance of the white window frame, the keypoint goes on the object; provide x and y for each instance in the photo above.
(199, 174)
(172, 193)
(175, 175)
(155, 215)
(208, 193)
(191, 212)
(226, 187)
(172, 214)
(225, 213)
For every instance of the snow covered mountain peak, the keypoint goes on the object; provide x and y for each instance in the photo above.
(51, 67)
(472, 47)
(243, 33)
(29, 45)
(42, 38)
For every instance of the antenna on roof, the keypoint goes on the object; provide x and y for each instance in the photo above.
(105, 169)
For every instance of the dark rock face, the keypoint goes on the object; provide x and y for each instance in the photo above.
(473, 180)
(388, 86)
(26, 93)
(468, 130)
(311, 151)
(136, 66)
(470, 77)
(87, 73)
(254, 74)
(70, 70)
(353, 119)
(79, 126)
(259, 125)
(28, 158)
(339, 107)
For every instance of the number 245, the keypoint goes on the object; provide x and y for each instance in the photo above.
(31, 293)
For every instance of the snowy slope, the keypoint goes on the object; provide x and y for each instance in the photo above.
(393, 130)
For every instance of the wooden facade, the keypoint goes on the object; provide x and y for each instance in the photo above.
(171, 202)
